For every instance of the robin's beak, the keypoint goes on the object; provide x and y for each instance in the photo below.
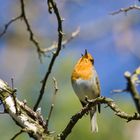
(86, 52)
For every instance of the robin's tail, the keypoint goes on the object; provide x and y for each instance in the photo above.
(94, 125)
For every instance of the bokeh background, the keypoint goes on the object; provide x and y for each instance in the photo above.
(112, 40)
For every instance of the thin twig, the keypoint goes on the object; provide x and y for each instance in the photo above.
(12, 81)
(100, 100)
(118, 91)
(73, 35)
(31, 34)
(8, 24)
(17, 134)
(14, 96)
(125, 10)
(65, 42)
(53, 102)
(60, 37)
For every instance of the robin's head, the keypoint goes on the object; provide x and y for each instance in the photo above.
(84, 67)
(87, 58)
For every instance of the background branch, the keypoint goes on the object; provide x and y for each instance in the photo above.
(125, 10)
(40, 51)
(31, 34)
(53, 102)
(64, 42)
(17, 134)
(52, 6)
(23, 16)
(8, 24)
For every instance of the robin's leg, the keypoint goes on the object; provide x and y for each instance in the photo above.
(84, 104)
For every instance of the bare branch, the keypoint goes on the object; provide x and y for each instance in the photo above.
(53, 102)
(73, 35)
(40, 51)
(8, 24)
(132, 81)
(13, 95)
(16, 135)
(125, 10)
(118, 91)
(100, 100)
(65, 42)
(59, 44)
(31, 34)
(131, 86)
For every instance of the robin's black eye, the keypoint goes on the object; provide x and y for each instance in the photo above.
(92, 61)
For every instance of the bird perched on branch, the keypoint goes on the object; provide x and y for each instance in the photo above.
(85, 83)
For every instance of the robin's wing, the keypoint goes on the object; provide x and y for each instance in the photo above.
(98, 86)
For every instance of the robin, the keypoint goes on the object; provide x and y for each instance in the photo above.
(85, 83)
